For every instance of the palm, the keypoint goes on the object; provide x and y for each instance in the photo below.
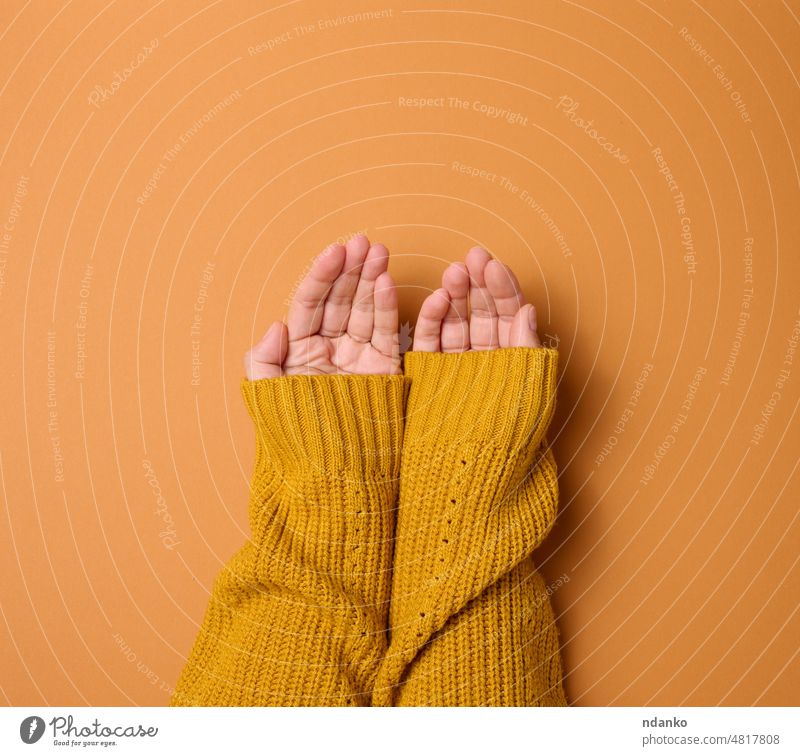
(480, 306)
(341, 354)
(343, 319)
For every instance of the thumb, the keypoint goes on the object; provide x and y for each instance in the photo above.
(264, 360)
(523, 328)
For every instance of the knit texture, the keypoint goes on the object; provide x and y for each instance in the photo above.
(299, 614)
(470, 621)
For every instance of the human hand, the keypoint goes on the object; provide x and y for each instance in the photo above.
(342, 319)
(480, 306)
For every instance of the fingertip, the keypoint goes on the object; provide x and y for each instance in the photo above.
(436, 305)
(378, 250)
(495, 267)
(266, 357)
(332, 249)
(533, 318)
(477, 255)
(358, 246)
(523, 328)
(331, 260)
(277, 340)
(493, 275)
(358, 238)
(457, 268)
(376, 262)
(476, 260)
(385, 290)
(456, 279)
(500, 276)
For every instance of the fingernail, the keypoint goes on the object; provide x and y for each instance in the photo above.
(532, 317)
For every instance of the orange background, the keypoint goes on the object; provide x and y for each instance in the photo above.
(125, 471)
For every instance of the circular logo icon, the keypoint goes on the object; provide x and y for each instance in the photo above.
(31, 729)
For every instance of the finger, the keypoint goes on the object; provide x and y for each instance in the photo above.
(427, 333)
(305, 311)
(266, 357)
(482, 316)
(522, 330)
(507, 295)
(455, 327)
(336, 313)
(385, 333)
(362, 312)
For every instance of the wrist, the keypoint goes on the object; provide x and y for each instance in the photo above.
(502, 397)
(346, 424)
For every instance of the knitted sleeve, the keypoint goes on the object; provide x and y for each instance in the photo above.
(470, 621)
(298, 616)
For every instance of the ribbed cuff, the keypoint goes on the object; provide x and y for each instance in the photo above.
(330, 422)
(502, 396)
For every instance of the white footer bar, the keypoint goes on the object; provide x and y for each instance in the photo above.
(401, 732)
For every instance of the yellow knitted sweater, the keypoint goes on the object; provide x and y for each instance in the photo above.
(390, 563)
